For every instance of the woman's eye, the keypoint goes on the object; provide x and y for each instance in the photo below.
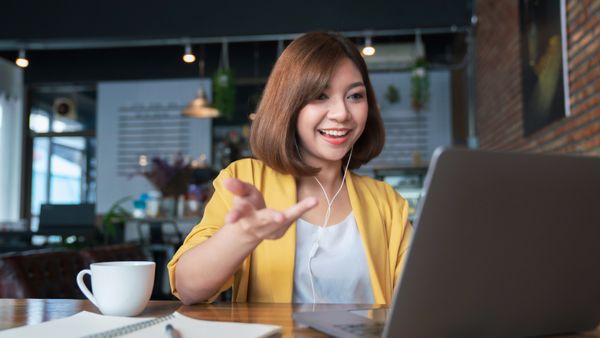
(356, 96)
(322, 97)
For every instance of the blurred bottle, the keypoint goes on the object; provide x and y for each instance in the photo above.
(153, 204)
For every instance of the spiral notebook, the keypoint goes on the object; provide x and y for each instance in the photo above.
(92, 325)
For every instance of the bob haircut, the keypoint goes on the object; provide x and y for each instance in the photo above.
(300, 75)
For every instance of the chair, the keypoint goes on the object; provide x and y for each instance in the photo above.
(47, 273)
(51, 273)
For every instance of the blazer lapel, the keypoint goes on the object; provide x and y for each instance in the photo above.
(364, 208)
(282, 252)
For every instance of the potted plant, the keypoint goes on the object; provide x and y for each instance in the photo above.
(171, 179)
(113, 222)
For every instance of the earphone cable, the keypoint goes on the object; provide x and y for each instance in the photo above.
(315, 246)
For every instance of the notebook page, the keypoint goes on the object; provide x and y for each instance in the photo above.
(80, 324)
(190, 327)
(87, 323)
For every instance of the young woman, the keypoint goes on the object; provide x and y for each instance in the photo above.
(294, 224)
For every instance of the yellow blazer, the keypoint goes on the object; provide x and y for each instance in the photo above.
(267, 275)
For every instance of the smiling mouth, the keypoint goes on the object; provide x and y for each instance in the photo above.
(333, 132)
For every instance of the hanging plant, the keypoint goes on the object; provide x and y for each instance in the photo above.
(224, 92)
(419, 85)
(224, 85)
(392, 95)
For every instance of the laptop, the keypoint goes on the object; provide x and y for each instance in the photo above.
(505, 245)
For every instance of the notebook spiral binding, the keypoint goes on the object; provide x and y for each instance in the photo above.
(121, 331)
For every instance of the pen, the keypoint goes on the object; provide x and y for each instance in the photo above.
(170, 330)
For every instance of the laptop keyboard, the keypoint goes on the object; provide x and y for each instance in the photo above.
(363, 329)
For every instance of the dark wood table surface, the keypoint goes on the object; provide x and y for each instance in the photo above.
(18, 312)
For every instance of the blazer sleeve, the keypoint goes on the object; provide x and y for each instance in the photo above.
(212, 221)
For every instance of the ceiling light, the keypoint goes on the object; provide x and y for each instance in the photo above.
(199, 107)
(368, 49)
(22, 61)
(188, 57)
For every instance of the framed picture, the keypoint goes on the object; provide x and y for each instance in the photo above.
(545, 77)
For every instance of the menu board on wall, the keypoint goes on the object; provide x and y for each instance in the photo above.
(411, 136)
(143, 119)
(155, 130)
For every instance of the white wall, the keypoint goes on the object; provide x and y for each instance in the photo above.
(408, 131)
(135, 117)
(11, 132)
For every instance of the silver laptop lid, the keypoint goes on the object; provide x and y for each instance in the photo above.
(506, 245)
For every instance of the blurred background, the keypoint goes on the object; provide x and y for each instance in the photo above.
(116, 116)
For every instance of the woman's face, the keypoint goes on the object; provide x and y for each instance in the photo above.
(329, 125)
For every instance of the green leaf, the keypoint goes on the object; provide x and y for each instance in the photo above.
(224, 92)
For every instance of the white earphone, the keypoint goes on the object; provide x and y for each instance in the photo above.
(315, 247)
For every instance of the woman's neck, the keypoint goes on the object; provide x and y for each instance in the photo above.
(328, 186)
(330, 177)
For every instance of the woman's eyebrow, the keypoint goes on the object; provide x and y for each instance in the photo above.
(356, 84)
(350, 86)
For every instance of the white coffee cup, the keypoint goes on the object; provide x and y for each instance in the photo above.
(120, 288)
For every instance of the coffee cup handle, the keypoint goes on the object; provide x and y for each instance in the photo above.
(84, 288)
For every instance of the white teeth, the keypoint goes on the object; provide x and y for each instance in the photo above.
(336, 133)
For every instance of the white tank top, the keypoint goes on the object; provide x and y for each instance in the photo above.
(339, 266)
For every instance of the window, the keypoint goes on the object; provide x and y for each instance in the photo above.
(11, 121)
(62, 124)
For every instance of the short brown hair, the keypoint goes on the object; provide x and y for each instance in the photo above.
(301, 74)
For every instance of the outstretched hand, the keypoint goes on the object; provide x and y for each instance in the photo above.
(250, 213)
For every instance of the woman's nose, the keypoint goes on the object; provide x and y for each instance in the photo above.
(338, 110)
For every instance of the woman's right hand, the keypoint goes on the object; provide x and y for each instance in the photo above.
(251, 215)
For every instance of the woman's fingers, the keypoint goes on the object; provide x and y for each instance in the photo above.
(295, 211)
(237, 187)
(246, 190)
(276, 223)
(232, 216)
(241, 208)
(265, 223)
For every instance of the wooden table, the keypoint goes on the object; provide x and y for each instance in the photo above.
(18, 312)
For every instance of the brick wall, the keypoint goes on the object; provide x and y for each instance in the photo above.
(498, 76)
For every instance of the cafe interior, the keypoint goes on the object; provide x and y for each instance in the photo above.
(116, 117)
